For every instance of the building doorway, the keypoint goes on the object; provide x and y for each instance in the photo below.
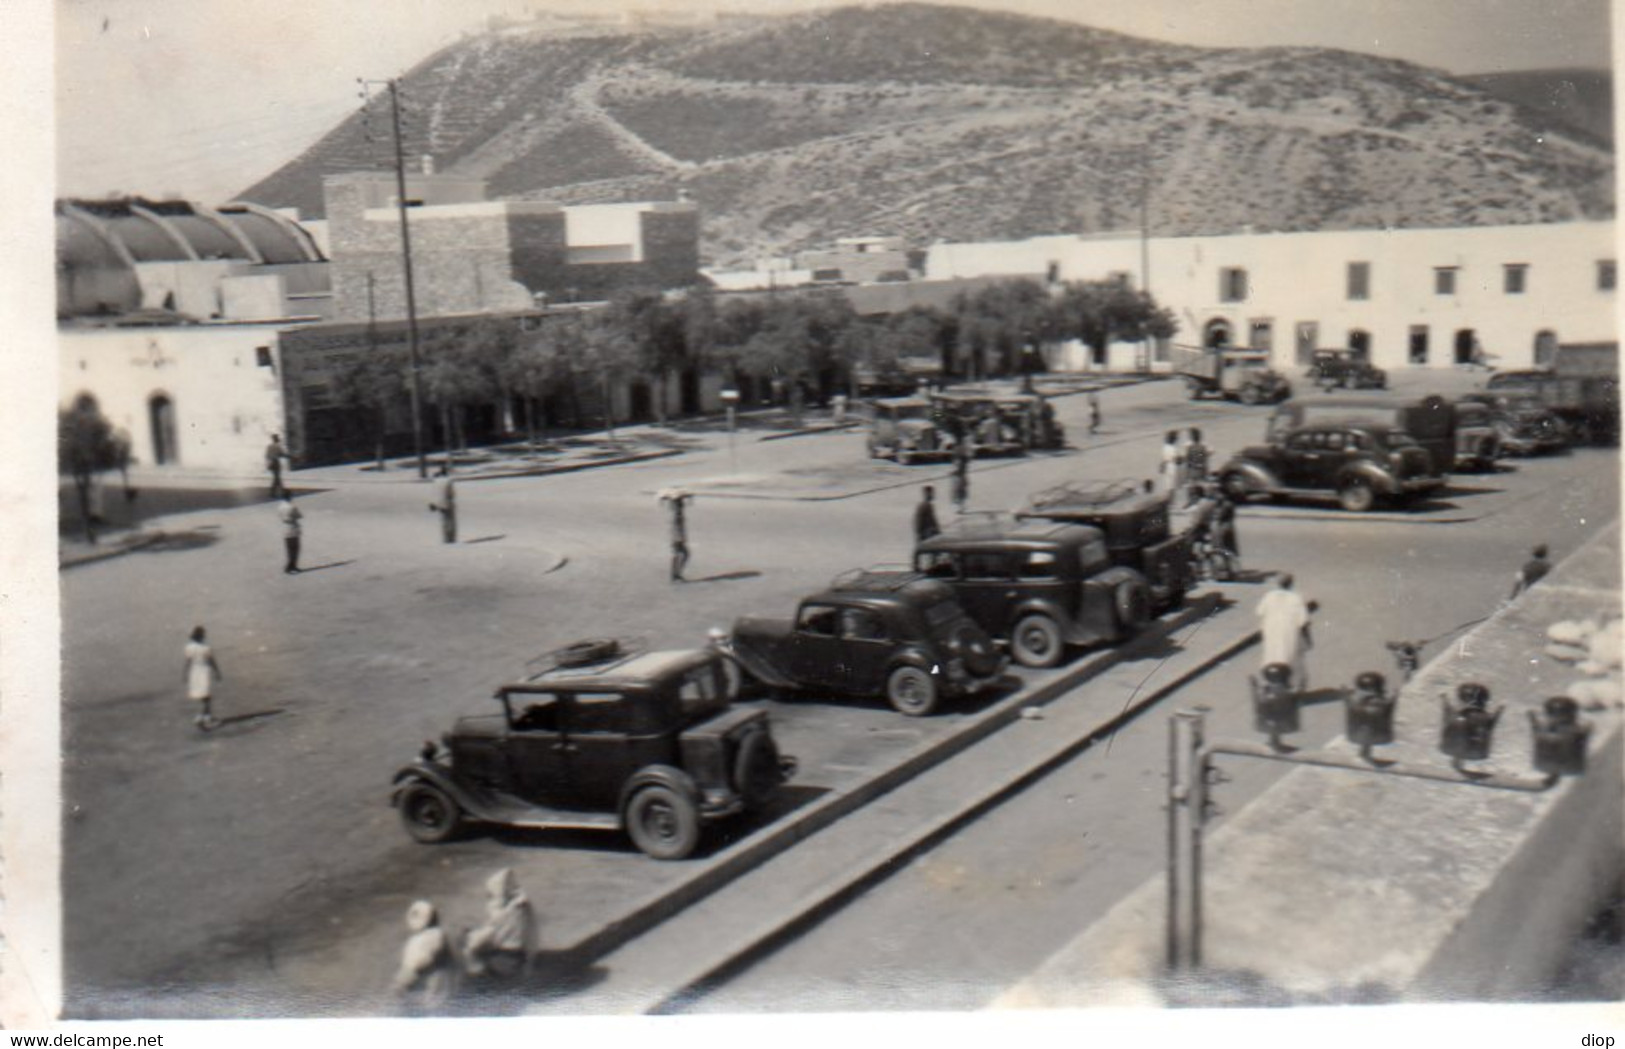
(1466, 339)
(1545, 348)
(1217, 335)
(688, 388)
(1360, 344)
(161, 414)
(1419, 344)
(1307, 341)
(1261, 334)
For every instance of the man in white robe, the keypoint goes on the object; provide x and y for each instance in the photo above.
(1284, 619)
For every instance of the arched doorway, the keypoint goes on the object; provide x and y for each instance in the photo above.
(1218, 334)
(1545, 348)
(1360, 344)
(1466, 339)
(161, 413)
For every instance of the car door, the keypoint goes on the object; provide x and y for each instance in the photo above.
(987, 589)
(867, 643)
(537, 748)
(814, 656)
(598, 750)
(1341, 448)
(1305, 459)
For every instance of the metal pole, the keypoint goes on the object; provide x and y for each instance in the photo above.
(1187, 805)
(411, 293)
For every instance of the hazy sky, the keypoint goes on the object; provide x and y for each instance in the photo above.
(203, 97)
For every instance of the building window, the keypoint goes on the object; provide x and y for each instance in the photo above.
(262, 357)
(1232, 284)
(1444, 280)
(1605, 275)
(1419, 344)
(1359, 280)
(1261, 334)
(1516, 278)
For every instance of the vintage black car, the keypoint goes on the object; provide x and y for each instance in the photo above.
(1358, 464)
(1040, 584)
(873, 633)
(1136, 524)
(1523, 425)
(648, 742)
(1330, 369)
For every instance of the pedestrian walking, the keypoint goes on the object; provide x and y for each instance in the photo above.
(1532, 572)
(201, 674)
(1284, 621)
(925, 515)
(427, 976)
(961, 492)
(503, 946)
(1223, 525)
(274, 453)
(291, 532)
(1094, 413)
(677, 501)
(445, 504)
(1196, 457)
(1170, 471)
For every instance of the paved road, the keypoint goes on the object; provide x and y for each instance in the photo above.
(959, 925)
(181, 851)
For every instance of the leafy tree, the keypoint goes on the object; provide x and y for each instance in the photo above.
(604, 351)
(1097, 312)
(461, 371)
(369, 383)
(85, 447)
(654, 332)
(535, 368)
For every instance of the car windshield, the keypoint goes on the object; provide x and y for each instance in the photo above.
(1399, 439)
(910, 411)
(703, 690)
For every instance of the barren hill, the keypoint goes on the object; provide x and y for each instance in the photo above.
(950, 123)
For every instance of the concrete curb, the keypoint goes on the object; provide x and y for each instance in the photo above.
(779, 837)
(544, 471)
(836, 894)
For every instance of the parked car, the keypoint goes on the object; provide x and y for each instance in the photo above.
(1041, 585)
(1478, 444)
(1230, 374)
(905, 429)
(1522, 424)
(1430, 421)
(604, 738)
(998, 422)
(1359, 465)
(895, 634)
(1135, 523)
(1330, 369)
(1587, 403)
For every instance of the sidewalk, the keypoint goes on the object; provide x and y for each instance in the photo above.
(1337, 887)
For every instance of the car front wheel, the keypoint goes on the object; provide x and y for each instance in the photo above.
(1132, 601)
(428, 814)
(912, 691)
(1236, 487)
(663, 823)
(1357, 496)
(1036, 641)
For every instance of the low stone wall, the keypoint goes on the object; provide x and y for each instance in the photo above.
(1337, 886)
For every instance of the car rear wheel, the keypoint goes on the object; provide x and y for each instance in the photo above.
(911, 691)
(429, 815)
(1250, 395)
(663, 823)
(1036, 641)
(1357, 496)
(904, 457)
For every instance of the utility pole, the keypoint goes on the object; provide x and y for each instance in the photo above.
(411, 291)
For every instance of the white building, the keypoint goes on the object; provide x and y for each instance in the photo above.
(1408, 297)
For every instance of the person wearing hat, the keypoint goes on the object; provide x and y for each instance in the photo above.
(1532, 572)
(445, 504)
(427, 977)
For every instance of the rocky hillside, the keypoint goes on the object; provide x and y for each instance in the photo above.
(950, 123)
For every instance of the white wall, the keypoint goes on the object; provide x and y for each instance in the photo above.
(1302, 277)
(225, 404)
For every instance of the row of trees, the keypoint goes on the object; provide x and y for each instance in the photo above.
(800, 344)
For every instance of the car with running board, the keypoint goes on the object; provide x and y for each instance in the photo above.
(1359, 466)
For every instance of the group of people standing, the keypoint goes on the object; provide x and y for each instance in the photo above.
(494, 956)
